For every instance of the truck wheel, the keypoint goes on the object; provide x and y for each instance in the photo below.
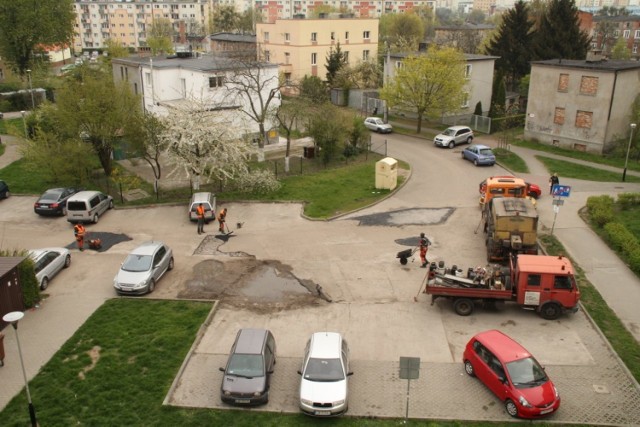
(403, 261)
(463, 306)
(550, 311)
(489, 250)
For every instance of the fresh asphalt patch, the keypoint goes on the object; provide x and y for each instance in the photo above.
(412, 216)
(107, 240)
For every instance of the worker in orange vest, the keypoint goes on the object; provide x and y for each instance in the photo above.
(222, 215)
(79, 231)
(424, 246)
(200, 215)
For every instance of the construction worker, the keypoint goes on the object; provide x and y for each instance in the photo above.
(79, 231)
(222, 215)
(424, 246)
(200, 215)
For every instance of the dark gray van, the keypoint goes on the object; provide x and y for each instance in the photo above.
(247, 376)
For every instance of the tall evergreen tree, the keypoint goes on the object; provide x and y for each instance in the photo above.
(513, 44)
(336, 59)
(559, 35)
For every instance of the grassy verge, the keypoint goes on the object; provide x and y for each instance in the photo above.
(617, 334)
(12, 127)
(118, 367)
(510, 160)
(574, 170)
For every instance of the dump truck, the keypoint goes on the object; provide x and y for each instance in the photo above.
(511, 226)
(544, 284)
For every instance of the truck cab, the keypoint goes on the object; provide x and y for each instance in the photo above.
(545, 284)
(501, 186)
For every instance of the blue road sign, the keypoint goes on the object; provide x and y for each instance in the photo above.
(561, 190)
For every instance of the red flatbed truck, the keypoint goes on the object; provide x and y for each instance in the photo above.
(545, 284)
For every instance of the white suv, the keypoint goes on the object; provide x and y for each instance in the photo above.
(453, 136)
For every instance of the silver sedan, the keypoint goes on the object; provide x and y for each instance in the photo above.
(144, 266)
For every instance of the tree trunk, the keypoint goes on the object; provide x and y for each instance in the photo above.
(262, 136)
(419, 129)
(104, 152)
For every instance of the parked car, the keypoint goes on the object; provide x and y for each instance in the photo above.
(533, 190)
(208, 201)
(453, 136)
(48, 262)
(512, 374)
(324, 383)
(479, 155)
(87, 206)
(142, 268)
(377, 125)
(54, 201)
(247, 374)
(4, 190)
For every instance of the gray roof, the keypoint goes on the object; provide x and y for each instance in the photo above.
(467, 56)
(205, 63)
(606, 65)
(620, 18)
(8, 263)
(231, 37)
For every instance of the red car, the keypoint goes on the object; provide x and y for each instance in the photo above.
(512, 374)
(533, 190)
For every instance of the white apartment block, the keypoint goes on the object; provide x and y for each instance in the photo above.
(129, 20)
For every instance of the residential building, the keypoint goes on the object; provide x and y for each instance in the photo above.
(300, 46)
(233, 44)
(479, 73)
(166, 83)
(581, 105)
(128, 21)
(627, 27)
(466, 37)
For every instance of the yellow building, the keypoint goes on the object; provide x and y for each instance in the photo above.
(300, 46)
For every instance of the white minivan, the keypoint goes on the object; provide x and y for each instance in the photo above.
(87, 206)
(208, 201)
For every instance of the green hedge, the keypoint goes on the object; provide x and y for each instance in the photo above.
(601, 209)
(621, 238)
(627, 200)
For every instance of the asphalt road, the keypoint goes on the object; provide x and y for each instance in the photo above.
(353, 259)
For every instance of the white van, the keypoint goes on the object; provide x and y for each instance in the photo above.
(87, 206)
(208, 200)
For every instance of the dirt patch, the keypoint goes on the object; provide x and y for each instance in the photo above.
(94, 354)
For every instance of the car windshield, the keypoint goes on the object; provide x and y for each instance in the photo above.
(324, 370)
(449, 132)
(246, 365)
(136, 263)
(50, 195)
(526, 373)
(486, 152)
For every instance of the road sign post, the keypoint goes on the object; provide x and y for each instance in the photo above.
(558, 191)
(409, 370)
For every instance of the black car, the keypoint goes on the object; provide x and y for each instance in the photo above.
(54, 201)
(4, 190)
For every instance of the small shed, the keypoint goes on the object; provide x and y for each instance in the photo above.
(10, 290)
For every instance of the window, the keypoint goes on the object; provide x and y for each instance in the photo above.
(346, 57)
(346, 35)
(563, 83)
(558, 117)
(616, 33)
(333, 35)
(584, 119)
(216, 81)
(626, 34)
(287, 57)
(588, 85)
(366, 35)
(467, 71)
(464, 104)
(533, 280)
(267, 56)
(365, 55)
(314, 37)
(562, 282)
(135, 88)
(183, 87)
(287, 37)
(637, 34)
(314, 58)
(266, 36)
(634, 50)
(147, 78)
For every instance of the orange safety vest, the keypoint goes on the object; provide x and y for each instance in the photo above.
(78, 230)
(222, 215)
(200, 211)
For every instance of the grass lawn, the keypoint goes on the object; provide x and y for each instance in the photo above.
(510, 160)
(574, 170)
(118, 367)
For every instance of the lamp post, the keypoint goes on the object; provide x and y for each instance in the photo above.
(626, 160)
(13, 318)
(24, 122)
(33, 101)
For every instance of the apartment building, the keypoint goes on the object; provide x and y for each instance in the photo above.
(300, 46)
(129, 21)
(581, 105)
(627, 27)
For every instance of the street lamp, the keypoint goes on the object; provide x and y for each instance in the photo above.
(33, 101)
(13, 318)
(24, 122)
(626, 160)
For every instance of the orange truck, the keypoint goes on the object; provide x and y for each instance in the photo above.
(541, 283)
(506, 186)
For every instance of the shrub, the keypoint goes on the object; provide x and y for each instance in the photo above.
(627, 200)
(621, 238)
(601, 209)
(634, 261)
(260, 181)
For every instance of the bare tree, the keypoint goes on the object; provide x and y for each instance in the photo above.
(288, 114)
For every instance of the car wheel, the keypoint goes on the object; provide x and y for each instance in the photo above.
(95, 219)
(463, 306)
(64, 211)
(170, 264)
(7, 194)
(511, 408)
(550, 311)
(45, 283)
(452, 144)
(533, 195)
(463, 156)
(67, 261)
(152, 286)
(475, 162)
(468, 368)
(110, 204)
(469, 140)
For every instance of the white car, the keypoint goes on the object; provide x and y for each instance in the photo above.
(144, 266)
(324, 383)
(48, 262)
(377, 125)
(453, 136)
